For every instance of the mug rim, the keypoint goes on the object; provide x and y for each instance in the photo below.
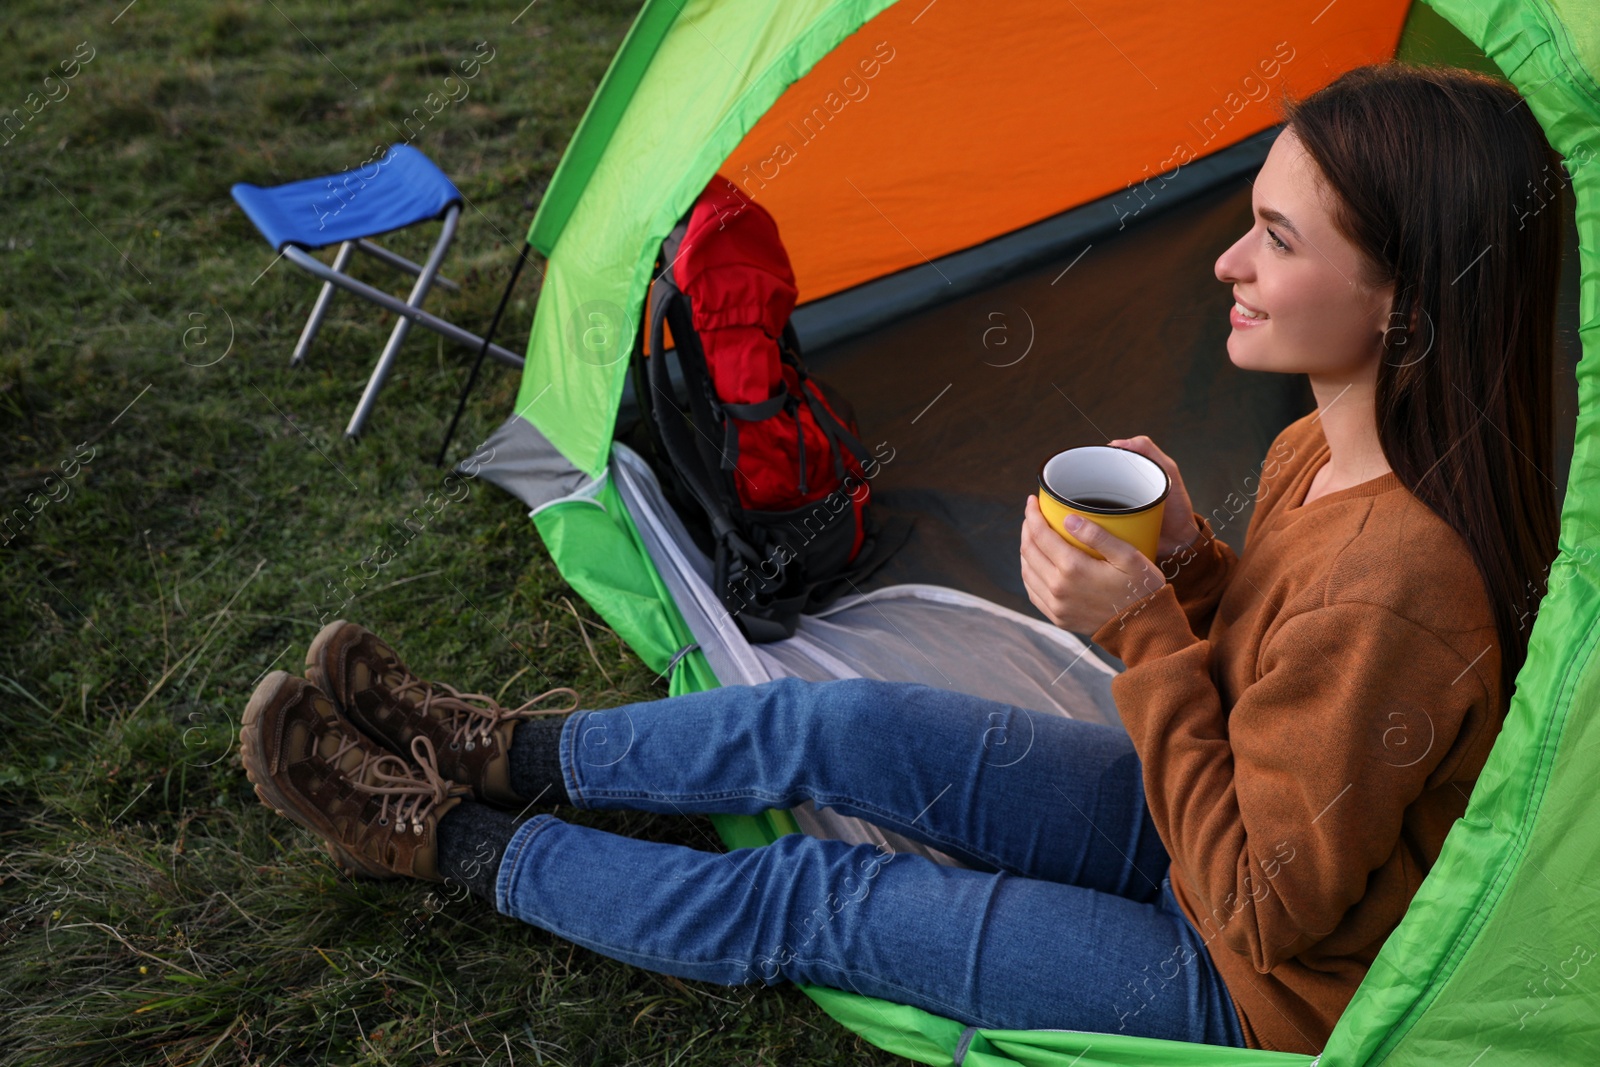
(1166, 484)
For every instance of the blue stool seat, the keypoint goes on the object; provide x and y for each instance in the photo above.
(399, 190)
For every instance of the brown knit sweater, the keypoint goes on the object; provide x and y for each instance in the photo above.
(1305, 755)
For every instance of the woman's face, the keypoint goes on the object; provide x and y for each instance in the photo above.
(1302, 276)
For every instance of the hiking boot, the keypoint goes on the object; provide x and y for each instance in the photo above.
(377, 812)
(388, 702)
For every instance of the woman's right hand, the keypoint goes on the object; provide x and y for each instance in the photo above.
(1178, 528)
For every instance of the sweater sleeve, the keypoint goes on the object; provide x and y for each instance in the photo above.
(1276, 810)
(1199, 574)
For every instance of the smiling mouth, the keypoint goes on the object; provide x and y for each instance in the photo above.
(1245, 312)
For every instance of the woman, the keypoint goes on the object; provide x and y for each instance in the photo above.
(1304, 722)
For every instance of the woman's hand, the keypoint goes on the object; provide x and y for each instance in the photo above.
(1178, 528)
(1073, 589)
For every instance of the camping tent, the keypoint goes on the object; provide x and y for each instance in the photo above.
(1002, 220)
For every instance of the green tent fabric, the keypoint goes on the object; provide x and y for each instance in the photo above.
(1495, 960)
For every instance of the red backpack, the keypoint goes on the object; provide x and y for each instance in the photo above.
(762, 461)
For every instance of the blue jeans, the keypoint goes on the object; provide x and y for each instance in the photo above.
(1066, 922)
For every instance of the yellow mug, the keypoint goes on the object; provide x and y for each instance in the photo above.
(1115, 488)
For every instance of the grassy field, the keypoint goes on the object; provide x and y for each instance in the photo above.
(180, 501)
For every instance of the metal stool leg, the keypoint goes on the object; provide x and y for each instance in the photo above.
(320, 308)
(318, 269)
(369, 396)
(401, 263)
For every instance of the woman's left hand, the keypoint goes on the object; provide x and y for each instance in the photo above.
(1073, 589)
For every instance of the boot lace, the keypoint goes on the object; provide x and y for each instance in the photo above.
(373, 761)
(410, 795)
(474, 717)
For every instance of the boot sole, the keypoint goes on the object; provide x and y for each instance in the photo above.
(315, 673)
(267, 790)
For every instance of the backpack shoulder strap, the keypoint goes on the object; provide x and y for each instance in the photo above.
(678, 435)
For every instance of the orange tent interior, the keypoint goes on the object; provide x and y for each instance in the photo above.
(897, 150)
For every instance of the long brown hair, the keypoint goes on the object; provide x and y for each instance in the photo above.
(1444, 182)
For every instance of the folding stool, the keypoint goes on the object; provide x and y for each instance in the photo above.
(401, 189)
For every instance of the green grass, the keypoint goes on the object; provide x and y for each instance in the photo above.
(195, 499)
